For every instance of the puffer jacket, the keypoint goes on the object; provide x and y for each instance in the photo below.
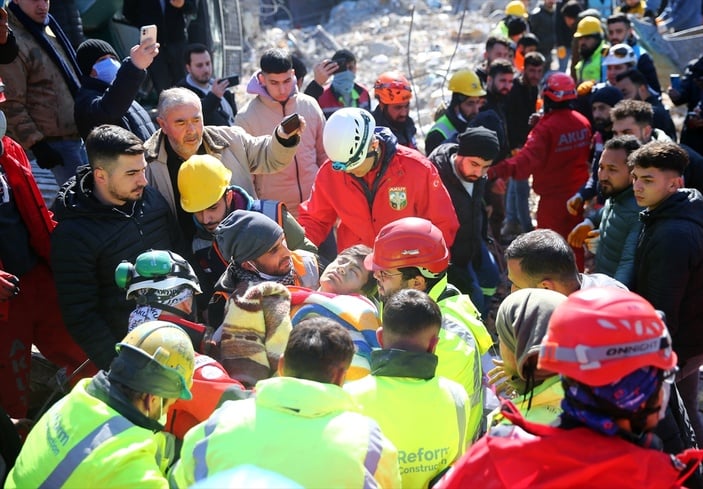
(669, 267)
(619, 224)
(469, 208)
(100, 103)
(242, 153)
(90, 240)
(261, 116)
(39, 103)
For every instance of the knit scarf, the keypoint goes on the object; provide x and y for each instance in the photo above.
(38, 32)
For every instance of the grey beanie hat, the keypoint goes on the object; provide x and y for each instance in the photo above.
(522, 321)
(246, 235)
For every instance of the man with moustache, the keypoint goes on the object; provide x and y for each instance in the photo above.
(106, 214)
(256, 249)
(611, 232)
(602, 100)
(589, 36)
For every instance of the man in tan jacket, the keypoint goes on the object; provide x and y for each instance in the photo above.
(183, 134)
(276, 97)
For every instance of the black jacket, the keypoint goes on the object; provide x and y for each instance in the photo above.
(669, 267)
(99, 103)
(171, 23)
(405, 133)
(213, 115)
(91, 239)
(469, 208)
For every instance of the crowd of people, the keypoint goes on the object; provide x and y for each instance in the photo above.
(292, 293)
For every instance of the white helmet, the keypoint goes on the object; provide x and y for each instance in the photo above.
(347, 136)
(619, 54)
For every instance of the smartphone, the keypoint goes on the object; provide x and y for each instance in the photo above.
(147, 31)
(290, 123)
(233, 80)
(675, 80)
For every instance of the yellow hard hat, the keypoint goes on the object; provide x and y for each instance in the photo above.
(466, 82)
(589, 26)
(156, 357)
(202, 181)
(517, 8)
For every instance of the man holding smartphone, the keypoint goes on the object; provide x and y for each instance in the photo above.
(219, 106)
(276, 97)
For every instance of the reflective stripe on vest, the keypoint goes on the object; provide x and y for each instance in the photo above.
(306, 270)
(445, 126)
(63, 471)
(373, 454)
(460, 413)
(200, 448)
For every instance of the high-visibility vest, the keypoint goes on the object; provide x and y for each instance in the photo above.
(83, 442)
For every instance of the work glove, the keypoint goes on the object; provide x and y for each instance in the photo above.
(574, 204)
(47, 157)
(591, 242)
(9, 286)
(579, 233)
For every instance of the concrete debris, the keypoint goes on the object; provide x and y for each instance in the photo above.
(424, 39)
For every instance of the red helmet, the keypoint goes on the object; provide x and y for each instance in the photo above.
(599, 335)
(559, 87)
(392, 88)
(410, 242)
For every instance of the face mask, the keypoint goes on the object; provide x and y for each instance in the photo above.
(343, 83)
(106, 69)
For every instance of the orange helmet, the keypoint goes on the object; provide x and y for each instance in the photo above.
(410, 242)
(599, 335)
(559, 87)
(392, 88)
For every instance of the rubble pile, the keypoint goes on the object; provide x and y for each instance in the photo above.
(426, 40)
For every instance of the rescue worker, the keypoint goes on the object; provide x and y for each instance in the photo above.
(107, 432)
(411, 253)
(468, 96)
(393, 92)
(521, 323)
(617, 368)
(369, 182)
(556, 154)
(404, 374)
(255, 248)
(302, 425)
(206, 193)
(589, 36)
(163, 285)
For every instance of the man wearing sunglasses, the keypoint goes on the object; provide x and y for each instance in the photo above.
(370, 181)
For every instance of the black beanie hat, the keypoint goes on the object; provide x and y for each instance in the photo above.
(609, 95)
(90, 51)
(479, 141)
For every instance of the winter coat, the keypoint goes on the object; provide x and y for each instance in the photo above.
(404, 183)
(89, 242)
(170, 21)
(213, 114)
(404, 134)
(242, 153)
(100, 103)
(39, 103)
(556, 153)
(543, 25)
(619, 225)
(260, 116)
(30, 203)
(469, 209)
(669, 267)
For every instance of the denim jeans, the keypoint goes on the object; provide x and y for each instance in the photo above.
(517, 204)
(74, 155)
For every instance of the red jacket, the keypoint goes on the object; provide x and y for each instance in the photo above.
(535, 456)
(556, 154)
(30, 203)
(407, 184)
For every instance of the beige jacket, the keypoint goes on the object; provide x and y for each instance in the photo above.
(241, 153)
(39, 103)
(292, 185)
